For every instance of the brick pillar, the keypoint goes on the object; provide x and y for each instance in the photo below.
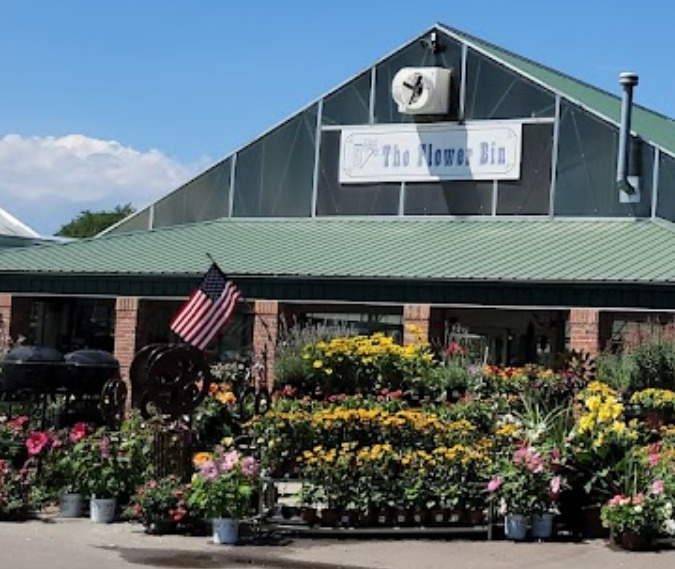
(127, 320)
(416, 322)
(265, 331)
(585, 330)
(15, 316)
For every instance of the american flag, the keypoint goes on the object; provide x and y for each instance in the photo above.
(207, 310)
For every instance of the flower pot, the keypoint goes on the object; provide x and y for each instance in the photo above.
(420, 517)
(225, 531)
(309, 516)
(102, 510)
(476, 517)
(348, 518)
(161, 527)
(402, 518)
(437, 517)
(71, 505)
(515, 527)
(329, 517)
(542, 525)
(633, 541)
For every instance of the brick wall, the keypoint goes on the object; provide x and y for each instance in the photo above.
(265, 332)
(127, 317)
(585, 330)
(417, 317)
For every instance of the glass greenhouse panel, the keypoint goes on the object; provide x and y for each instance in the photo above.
(274, 175)
(530, 195)
(416, 54)
(206, 197)
(586, 176)
(495, 92)
(449, 198)
(665, 205)
(138, 222)
(350, 104)
(347, 199)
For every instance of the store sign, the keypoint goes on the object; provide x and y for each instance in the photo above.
(430, 152)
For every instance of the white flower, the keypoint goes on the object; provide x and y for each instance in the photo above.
(669, 527)
(638, 509)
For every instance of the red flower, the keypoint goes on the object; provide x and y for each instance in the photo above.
(78, 432)
(36, 442)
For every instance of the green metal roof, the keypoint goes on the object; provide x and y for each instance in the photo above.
(650, 125)
(502, 250)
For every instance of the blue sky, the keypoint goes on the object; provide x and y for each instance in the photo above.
(103, 103)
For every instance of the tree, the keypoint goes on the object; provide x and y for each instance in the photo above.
(90, 223)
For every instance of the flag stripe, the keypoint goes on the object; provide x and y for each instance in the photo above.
(207, 309)
(191, 311)
(217, 320)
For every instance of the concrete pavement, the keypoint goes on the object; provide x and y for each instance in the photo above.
(79, 544)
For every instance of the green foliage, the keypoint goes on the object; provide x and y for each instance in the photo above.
(654, 363)
(161, 500)
(90, 223)
(616, 370)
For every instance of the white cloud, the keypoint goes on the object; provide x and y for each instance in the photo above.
(46, 181)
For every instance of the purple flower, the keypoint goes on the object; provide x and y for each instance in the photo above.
(249, 466)
(209, 470)
(494, 484)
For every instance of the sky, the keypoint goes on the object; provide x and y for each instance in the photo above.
(104, 103)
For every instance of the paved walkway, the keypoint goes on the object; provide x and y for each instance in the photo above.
(80, 544)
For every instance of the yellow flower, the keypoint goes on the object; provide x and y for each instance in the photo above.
(317, 364)
(200, 458)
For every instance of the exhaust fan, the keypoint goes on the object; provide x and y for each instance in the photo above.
(422, 90)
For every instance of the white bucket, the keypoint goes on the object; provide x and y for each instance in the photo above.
(225, 531)
(102, 510)
(70, 505)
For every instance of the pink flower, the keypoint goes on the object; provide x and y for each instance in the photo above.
(555, 486)
(654, 459)
(36, 442)
(231, 458)
(249, 466)
(152, 484)
(638, 499)
(104, 447)
(495, 483)
(17, 424)
(209, 470)
(658, 487)
(617, 500)
(78, 432)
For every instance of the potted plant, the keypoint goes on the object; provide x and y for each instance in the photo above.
(222, 489)
(161, 505)
(103, 473)
(527, 484)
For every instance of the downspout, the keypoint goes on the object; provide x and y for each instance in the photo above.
(628, 81)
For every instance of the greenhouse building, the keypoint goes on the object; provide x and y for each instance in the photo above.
(453, 185)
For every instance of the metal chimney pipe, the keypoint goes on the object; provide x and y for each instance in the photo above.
(628, 81)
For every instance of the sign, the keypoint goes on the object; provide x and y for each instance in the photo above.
(430, 152)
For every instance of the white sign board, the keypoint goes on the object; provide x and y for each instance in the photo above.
(430, 152)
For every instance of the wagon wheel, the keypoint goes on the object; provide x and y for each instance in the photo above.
(113, 401)
(179, 379)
